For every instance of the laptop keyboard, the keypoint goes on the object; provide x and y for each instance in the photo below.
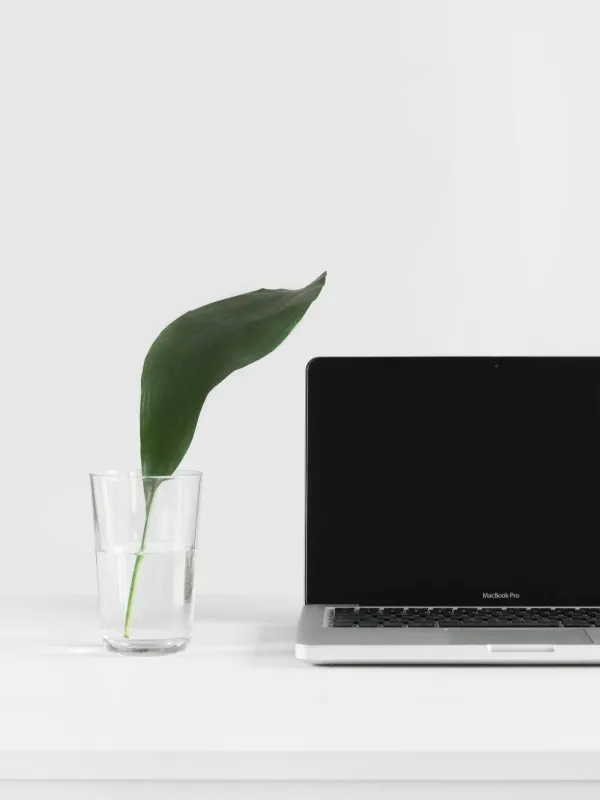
(396, 617)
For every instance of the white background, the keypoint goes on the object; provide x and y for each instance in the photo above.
(440, 158)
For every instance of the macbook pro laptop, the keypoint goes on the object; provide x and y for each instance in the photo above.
(452, 511)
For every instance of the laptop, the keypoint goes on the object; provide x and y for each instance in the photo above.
(452, 511)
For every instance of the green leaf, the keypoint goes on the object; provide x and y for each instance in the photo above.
(199, 350)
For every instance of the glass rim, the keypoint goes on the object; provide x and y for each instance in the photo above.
(137, 473)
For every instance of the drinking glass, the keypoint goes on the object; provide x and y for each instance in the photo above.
(145, 533)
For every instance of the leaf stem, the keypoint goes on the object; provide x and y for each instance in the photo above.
(138, 563)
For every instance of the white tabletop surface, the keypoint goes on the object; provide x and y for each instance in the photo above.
(238, 705)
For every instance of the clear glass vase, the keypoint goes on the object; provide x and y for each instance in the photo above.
(145, 531)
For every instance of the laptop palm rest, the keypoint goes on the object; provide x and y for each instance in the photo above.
(518, 637)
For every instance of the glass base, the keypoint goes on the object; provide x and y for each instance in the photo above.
(145, 647)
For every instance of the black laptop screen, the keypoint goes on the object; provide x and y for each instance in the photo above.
(453, 481)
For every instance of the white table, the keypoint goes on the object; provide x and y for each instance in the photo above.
(237, 717)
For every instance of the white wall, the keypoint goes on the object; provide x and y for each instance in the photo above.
(440, 158)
